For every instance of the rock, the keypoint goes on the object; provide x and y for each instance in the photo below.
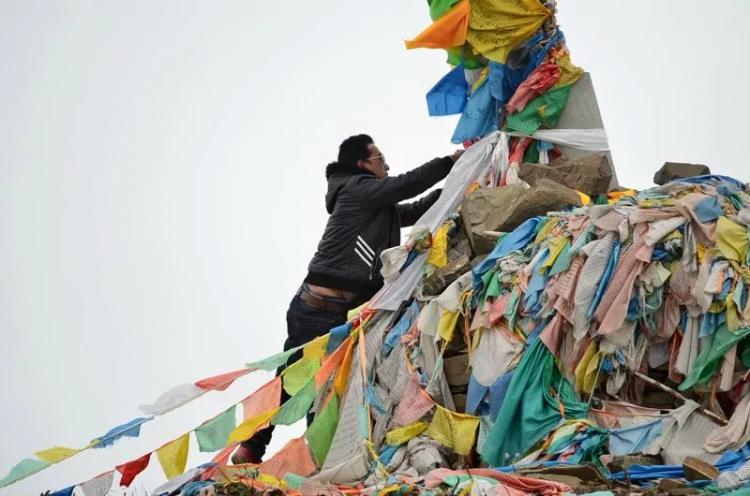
(456, 369)
(459, 399)
(590, 174)
(696, 469)
(504, 209)
(620, 463)
(581, 478)
(676, 170)
(674, 487)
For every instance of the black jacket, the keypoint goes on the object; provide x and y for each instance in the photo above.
(365, 219)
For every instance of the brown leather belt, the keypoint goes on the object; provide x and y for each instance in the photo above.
(321, 302)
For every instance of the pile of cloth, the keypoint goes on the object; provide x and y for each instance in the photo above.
(541, 331)
(600, 348)
(595, 335)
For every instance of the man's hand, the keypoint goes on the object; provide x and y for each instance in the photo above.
(456, 155)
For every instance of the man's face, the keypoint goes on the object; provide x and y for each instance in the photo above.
(375, 163)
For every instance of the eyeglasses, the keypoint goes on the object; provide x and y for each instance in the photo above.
(381, 157)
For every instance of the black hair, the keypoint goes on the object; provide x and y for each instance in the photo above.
(354, 148)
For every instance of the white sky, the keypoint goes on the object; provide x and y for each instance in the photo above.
(161, 178)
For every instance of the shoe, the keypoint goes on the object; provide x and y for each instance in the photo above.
(246, 455)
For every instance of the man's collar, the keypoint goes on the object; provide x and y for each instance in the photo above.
(345, 169)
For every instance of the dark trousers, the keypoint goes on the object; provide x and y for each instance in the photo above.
(304, 323)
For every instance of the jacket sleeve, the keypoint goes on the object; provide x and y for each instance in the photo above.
(380, 193)
(409, 213)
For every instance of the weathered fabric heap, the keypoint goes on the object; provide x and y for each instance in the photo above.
(552, 351)
(540, 331)
(541, 340)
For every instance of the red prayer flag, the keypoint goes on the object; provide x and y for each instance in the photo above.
(131, 469)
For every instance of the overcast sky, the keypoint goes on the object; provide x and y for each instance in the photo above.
(161, 178)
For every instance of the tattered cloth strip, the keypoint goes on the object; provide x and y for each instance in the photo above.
(128, 429)
(294, 457)
(23, 469)
(99, 485)
(173, 456)
(446, 32)
(212, 435)
(174, 398)
(131, 469)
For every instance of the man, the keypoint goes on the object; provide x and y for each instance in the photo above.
(365, 219)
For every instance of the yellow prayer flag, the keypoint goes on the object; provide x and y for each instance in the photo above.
(56, 454)
(447, 325)
(271, 480)
(389, 490)
(732, 240)
(545, 231)
(455, 431)
(173, 456)
(585, 199)
(584, 381)
(556, 246)
(615, 196)
(498, 26)
(591, 377)
(250, 426)
(355, 311)
(438, 256)
(316, 348)
(402, 435)
(569, 73)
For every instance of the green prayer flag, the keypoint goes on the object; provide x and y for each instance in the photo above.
(457, 56)
(320, 433)
(213, 435)
(531, 410)
(710, 356)
(531, 155)
(438, 8)
(24, 468)
(542, 111)
(743, 491)
(511, 309)
(486, 278)
(743, 350)
(274, 361)
(297, 406)
(493, 288)
(363, 417)
(299, 373)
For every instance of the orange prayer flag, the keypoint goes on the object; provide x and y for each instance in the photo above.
(222, 457)
(330, 363)
(446, 32)
(342, 374)
(266, 398)
(294, 457)
(222, 381)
